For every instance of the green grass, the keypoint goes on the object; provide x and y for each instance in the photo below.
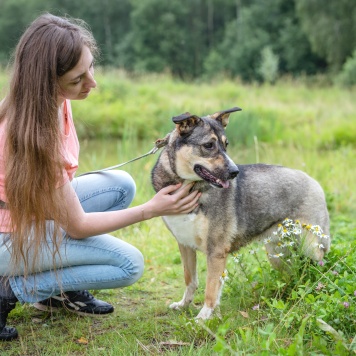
(293, 125)
(290, 112)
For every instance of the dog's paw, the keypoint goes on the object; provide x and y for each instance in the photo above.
(205, 313)
(176, 305)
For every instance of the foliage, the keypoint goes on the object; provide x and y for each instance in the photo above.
(163, 46)
(108, 21)
(330, 27)
(316, 301)
(287, 112)
(201, 39)
(269, 65)
(120, 102)
(347, 76)
(246, 36)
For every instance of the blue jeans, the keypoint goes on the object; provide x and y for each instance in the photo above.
(96, 262)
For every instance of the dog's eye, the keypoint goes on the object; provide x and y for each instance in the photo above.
(209, 145)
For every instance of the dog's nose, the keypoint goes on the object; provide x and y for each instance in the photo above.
(234, 172)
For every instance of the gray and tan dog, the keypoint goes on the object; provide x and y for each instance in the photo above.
(238, 203)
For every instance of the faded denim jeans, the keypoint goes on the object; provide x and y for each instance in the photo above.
(96, 262)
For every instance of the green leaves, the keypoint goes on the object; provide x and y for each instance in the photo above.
(205, 39)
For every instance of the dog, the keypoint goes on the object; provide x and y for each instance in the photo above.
(238, 203)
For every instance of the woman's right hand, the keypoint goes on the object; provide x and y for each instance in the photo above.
(172, 200)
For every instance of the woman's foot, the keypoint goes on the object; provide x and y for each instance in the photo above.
(6, 305)
(79, 302)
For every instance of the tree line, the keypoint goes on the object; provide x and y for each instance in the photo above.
(250, 39)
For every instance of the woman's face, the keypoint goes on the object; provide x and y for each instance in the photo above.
(77, 83)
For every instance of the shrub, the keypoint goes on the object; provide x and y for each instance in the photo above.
(347, 76)
(269, 65)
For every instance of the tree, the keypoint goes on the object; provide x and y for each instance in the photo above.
(109, 20)
(174, 35)
(295, 51)
(330, 27)
(15, 15)
(263, 24)
(268, 68)
(347, 76)
(189, 38)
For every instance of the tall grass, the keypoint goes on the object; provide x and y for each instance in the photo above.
(290, 112)
(262, 311)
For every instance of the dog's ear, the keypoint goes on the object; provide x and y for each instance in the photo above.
(223, 116)
(186, 122)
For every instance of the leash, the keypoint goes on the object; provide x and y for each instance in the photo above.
(158, 144)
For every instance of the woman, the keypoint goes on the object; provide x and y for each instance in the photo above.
(53, 227)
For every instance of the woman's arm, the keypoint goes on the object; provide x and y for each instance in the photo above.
(80, 224)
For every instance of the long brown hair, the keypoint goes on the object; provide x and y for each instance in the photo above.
(50, 47)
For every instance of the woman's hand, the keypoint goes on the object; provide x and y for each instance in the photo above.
(172, 200)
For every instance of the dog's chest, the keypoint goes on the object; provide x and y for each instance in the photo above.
(188, 229)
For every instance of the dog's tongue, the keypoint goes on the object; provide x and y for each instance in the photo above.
(225, 184)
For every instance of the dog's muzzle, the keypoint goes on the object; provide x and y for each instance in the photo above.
(217, 179)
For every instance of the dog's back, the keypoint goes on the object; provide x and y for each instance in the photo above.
(267, 194)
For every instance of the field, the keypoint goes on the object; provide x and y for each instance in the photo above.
(297, 123)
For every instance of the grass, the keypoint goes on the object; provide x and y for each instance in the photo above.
(262, 311)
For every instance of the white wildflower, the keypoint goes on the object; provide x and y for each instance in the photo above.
(278, 255)
(224, 277)
(267, 240)
(236, 257)
(288, 244)
(296, 230)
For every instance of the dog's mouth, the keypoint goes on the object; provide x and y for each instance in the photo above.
(210, 178)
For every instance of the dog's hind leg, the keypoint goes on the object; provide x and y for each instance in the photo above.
(314, 246)
(214, 284)
(189, 261)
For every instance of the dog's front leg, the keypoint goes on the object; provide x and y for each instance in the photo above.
(189, 260)
(216, 266)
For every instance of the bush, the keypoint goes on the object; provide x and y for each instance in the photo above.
(347, 76)
(269, 65)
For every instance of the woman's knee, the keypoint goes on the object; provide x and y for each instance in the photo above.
(127, 258)
(137, 266)
(124, 181)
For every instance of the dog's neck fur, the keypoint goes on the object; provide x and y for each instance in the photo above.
(168, 176)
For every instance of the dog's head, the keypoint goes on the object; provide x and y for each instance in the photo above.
(200, 148)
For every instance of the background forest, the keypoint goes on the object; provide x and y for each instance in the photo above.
(251, 39)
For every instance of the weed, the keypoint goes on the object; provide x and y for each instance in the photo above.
(317, 299)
